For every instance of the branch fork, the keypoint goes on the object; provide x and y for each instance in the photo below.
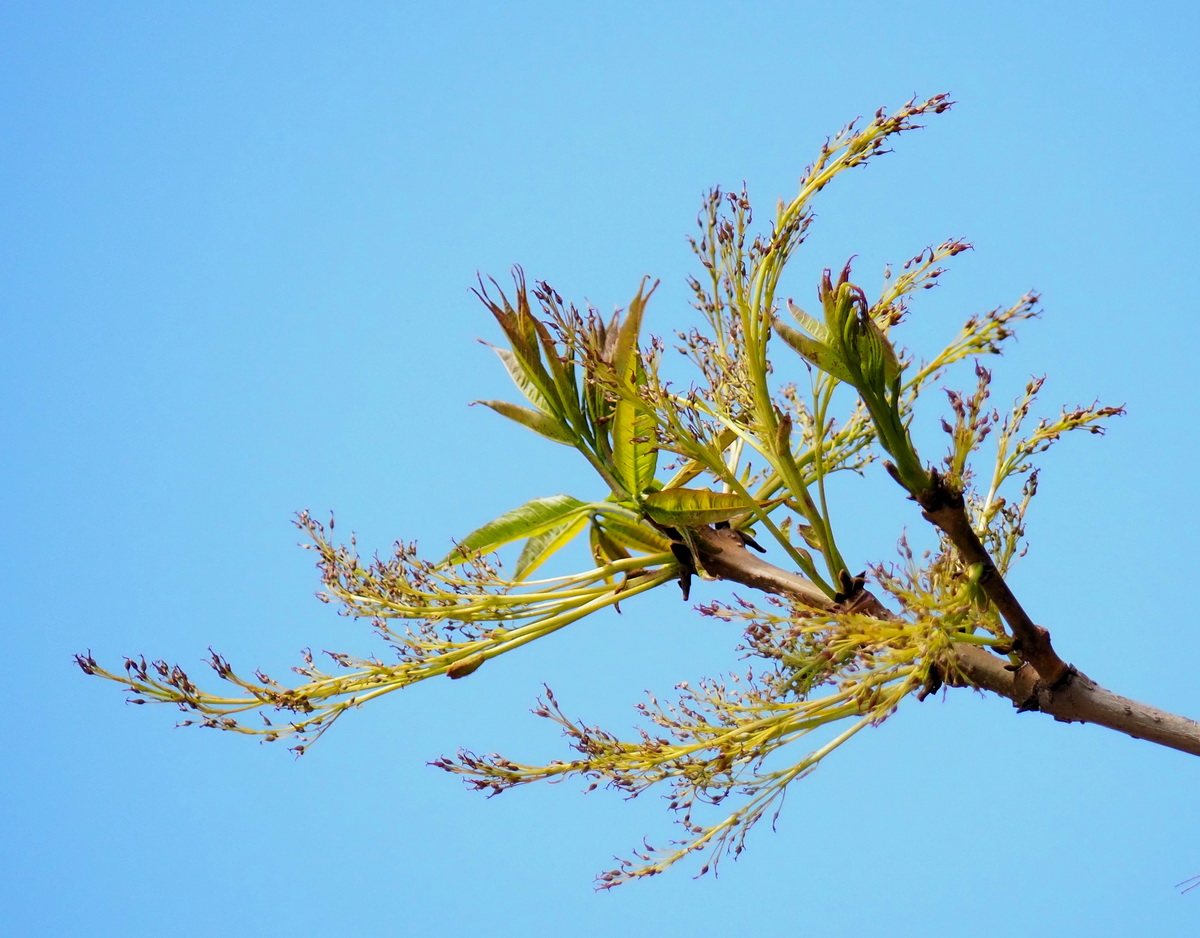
(1069, 696)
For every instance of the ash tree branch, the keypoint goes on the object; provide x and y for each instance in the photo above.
(1074, 699)
(946, 509)
(1079, 700)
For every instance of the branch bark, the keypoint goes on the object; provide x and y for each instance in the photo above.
(946, 509)
(1072, 698)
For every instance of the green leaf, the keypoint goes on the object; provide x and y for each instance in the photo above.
(604, 549)
(634, 452)
(522, 336)
(625, 351)
(810, 535)
(878, 357)
(811, 324)
(532, 518)
(691, 507)
(539, 548)
(816, 353)
(533, 419)
(520, 327)
(628, 533)
(520, 377)
(634, 455)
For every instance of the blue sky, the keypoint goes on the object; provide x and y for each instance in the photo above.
(237, 246)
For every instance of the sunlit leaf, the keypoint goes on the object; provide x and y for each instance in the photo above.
(604, 549)
(816, 353)
(530, 519)
(541, 547)
(632, 534)
(533, 419)
(627, 337)
(634, 453)
(521, 379)
(811, 324)
(518, 325)
(690, 507)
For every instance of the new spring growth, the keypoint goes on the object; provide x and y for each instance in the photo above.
(742, 451)
(860, 343)
(850, 346)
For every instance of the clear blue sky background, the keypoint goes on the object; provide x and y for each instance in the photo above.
(237, 242)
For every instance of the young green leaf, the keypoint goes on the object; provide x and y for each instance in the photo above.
(634, 456)
(811, 324)
(521, 329)
(817, 354)
(521, 379)
(533, 419)
(631, 534)
(625, 350)
(530, 519)
(634, 453)
(539, 548)
(691, 507)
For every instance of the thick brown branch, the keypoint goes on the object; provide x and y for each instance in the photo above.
(1081, 700)
(946, 509)
(1076, 699)
(726, 557)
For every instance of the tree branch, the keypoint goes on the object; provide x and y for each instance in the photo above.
(725, 557)
(1077, 699)
(946, 509)
(1080, 700)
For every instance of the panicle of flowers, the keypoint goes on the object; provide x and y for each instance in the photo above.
(1014, 453)
(720, 357)
(405, 585)
(935, 592)
(309, 709)
(980, 335)
(713, 744)
(999, 522)
(456, 618)
(920, 272)
(973, 422)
